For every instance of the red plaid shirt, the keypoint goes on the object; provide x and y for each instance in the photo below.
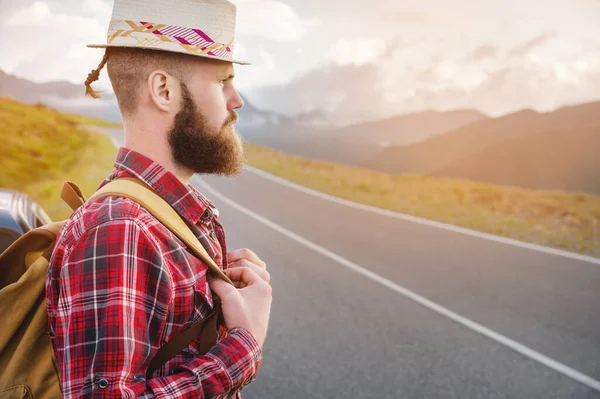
(120, 285)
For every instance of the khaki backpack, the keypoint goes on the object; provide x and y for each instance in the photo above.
(28, 368)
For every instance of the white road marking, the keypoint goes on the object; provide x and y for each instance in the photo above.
(497, 337)
(116, 141)
(414, 219)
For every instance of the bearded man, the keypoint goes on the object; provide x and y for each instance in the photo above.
(120, 284)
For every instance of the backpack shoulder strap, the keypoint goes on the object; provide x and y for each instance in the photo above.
(205, 328)
(72, 195)
(137, 191)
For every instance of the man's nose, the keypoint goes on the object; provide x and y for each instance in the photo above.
(236, 100)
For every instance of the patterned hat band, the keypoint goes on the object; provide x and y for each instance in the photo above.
(167, 37)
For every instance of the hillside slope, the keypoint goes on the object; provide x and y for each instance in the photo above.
(41, 148)
(555, 160)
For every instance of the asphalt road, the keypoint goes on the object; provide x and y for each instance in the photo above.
(351, 317)
(336, 333)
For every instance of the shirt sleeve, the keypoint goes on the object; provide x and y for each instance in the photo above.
(115, 294)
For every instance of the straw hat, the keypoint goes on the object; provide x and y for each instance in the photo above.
(204, 28)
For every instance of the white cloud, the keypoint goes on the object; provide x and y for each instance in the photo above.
(240, 52)
(338, 92)
(357, 51)
(97, 7)
(36, 14)
(268, 60)
(51, 44)
(272, 20)
(574, 71)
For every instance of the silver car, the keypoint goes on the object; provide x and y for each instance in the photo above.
(18, 214)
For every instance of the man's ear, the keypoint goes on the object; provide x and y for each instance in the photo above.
(162, 90)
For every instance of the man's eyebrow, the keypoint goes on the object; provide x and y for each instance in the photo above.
(227, 76)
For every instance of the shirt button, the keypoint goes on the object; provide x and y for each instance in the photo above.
(213, 235)
(103, 384)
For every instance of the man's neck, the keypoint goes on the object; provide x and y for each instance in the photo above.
(155, 145)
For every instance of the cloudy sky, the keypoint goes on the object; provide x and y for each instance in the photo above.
(356, 60)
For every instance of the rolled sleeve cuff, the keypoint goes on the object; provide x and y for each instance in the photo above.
(241, 356)
(254, 352)
(226, 368)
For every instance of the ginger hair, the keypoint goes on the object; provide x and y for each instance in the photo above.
(93, 76)
(129, 68)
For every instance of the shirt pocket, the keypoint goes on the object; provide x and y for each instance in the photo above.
(203, 299)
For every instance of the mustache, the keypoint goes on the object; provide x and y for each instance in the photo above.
(231, 119)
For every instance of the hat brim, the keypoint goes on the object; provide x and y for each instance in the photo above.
(239, 62)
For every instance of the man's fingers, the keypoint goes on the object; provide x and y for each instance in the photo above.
(238, 284)
(245, 253)
(244, 275)
(262, 272)
(220, 287)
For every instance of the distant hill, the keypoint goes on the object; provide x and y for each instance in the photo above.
(460, 150)
(410, 128)
(556, 160)
(30, 92)
(355, 144)
(64, 96)
(435, 153)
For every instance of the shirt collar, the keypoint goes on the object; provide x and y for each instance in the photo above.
(185, 199)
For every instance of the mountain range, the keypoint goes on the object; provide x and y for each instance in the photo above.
(552, 150)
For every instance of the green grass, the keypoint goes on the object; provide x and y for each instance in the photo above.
(41, 148)
(564, 220)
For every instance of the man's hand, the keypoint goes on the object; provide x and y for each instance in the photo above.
(248, 304)
(246, 258)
